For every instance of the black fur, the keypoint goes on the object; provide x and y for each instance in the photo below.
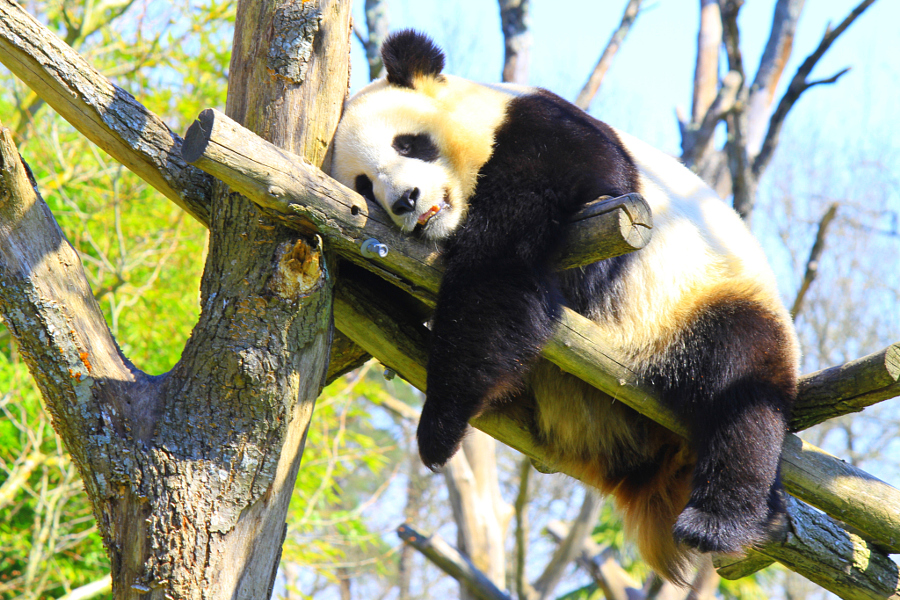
(407, 54)
(500, 297)
(724, 377)
(416, 145)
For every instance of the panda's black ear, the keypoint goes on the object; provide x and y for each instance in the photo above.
(408, 54)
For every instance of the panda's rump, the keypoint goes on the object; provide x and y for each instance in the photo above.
(613, 448)
(607, 443)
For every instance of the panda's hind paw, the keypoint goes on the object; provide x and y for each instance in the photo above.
(712, 532)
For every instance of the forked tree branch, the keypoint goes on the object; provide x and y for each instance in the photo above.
(696, 137)
(587, 93)
(800, 84)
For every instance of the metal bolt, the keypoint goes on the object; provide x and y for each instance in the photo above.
(372, 248)
(389, 373)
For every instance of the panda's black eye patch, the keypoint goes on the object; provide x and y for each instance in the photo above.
(364, 188)
(419, 145)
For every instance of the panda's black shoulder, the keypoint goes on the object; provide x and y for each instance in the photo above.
(548, 136)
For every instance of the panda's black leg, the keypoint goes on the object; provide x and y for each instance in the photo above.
(736, 497)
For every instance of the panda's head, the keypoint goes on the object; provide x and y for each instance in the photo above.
(415, 141)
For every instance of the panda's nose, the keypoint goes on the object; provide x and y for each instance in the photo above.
(406, 202)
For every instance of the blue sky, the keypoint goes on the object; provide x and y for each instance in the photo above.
(652, 73)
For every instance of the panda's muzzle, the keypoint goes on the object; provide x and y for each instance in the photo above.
(434, 210)
(406, 203)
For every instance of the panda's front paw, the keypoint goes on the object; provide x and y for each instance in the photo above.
(439, 436)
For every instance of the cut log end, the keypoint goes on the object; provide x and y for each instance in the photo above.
(197, 137)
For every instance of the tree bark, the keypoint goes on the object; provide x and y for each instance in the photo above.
(514, 22)
(481, 515)
(190, 473)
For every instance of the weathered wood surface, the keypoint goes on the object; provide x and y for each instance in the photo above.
(131, 129)
(847, 388)
(310, 201)
(119, 124)
(450, 561)
(104, 113)
(824, 552)
(190, 473)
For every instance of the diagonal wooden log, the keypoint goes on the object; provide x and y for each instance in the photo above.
(306, 198)
(104, 113)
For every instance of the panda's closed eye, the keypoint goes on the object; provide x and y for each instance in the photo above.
(364, 188)
(419, 145)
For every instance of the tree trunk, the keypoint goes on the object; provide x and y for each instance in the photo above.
(190, 473)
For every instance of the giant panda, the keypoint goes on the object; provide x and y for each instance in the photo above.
(493, 172)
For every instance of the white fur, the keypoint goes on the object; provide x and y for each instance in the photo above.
(457, 114)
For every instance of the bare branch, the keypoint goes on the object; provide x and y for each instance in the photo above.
(706, 70)
(705, 582)
(451, 561)
(775, 56)
(607, 574)
(596, 78)
(105, 114)
(743, 184)
(570, 547)
(19, 473)
(377, 24)
(474, 492)
(812, 263)
(515, 21)
(524, 591)
(90, 590)
(731, 35)
(799, 85)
